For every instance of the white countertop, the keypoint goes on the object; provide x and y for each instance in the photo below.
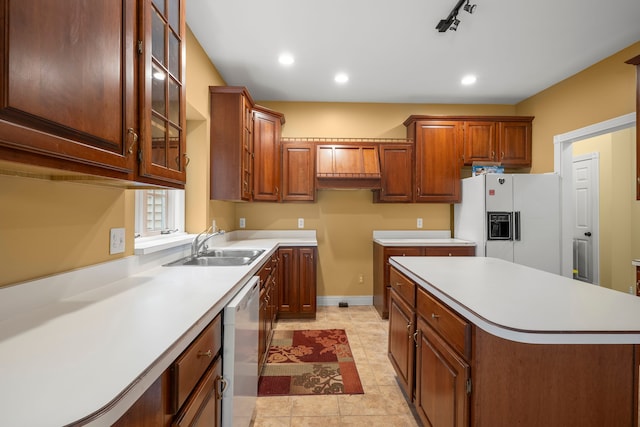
(417, 238)
(66, 359)
(523, 304)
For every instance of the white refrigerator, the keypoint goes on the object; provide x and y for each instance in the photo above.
(515, 217)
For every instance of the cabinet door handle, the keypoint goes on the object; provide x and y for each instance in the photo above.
(221, 386)
(277, 190)
(134, 139)
(409, 329)
(435, 316)
(207, 353)
(415, 338)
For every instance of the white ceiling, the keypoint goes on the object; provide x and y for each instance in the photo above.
(393, 53)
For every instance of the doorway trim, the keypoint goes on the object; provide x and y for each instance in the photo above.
(562, 165)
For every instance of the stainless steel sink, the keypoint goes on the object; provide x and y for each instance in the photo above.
(220, 258)
(233, 253)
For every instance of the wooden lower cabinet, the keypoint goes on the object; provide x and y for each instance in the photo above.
(442, 375)
(297, 285)
(204, 407)
(401, 349)
(189, 392)
(269, 275)
(381, 255)
(456, 374)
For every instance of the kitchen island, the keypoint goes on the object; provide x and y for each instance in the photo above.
(492, 343)
(81, 347)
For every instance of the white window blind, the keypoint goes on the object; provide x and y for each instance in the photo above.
(159, 212)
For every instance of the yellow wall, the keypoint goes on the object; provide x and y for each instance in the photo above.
(72, 220)
(199, 210)
(601, 92)
(47, 227)
(345, 219)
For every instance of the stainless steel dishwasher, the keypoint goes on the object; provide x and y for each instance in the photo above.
(240, 355)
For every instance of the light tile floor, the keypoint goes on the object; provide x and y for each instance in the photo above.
(382, 403)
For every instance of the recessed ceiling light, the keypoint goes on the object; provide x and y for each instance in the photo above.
(286, 59)
(469, 80)
(341, 78)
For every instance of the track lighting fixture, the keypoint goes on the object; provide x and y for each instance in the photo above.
(451, 22)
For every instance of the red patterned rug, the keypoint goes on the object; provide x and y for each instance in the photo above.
(309, 362)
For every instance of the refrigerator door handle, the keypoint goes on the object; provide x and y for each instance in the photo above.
(516, 225)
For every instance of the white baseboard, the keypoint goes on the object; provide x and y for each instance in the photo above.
(351, 300)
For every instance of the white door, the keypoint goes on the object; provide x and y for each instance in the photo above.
(585, 172)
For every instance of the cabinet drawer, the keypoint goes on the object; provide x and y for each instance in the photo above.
(203, 407)
(454, 329)
(405, 287)
(450, 251)
(195, 360)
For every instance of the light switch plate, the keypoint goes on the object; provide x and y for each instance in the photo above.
(243, 222)
(419, 223)
(116, 241)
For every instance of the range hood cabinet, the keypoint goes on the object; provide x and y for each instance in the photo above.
(348, 167)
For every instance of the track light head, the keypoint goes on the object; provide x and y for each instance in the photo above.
(470, 7)
(451, 22)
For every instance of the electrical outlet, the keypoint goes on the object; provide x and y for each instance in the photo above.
(300, 222)
(116, 241)
(361, 278)
(243, 222)
(419, 223)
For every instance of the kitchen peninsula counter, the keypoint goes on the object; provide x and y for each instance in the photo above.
(524, 304)
(534, 348)
(81, 347)
(417, 238)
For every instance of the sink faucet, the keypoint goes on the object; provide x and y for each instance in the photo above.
(196, 245)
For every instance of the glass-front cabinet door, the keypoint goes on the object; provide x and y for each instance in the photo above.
(162, 153)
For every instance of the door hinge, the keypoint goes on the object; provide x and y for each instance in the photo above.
(468, 385)
(140, 47)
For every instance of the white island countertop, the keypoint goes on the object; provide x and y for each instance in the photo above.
(93, 353)
(523, 304)
(400, 238)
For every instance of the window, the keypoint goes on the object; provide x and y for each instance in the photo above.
(159, 212)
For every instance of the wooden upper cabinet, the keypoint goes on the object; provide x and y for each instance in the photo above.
(438, 162)
(67, 87)
(267, 126)
(161, 48)
(298, 171)
(396, 164)
(347, 166)
(479, 142)
(231, 143)
(514, 143)
(506, 140)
